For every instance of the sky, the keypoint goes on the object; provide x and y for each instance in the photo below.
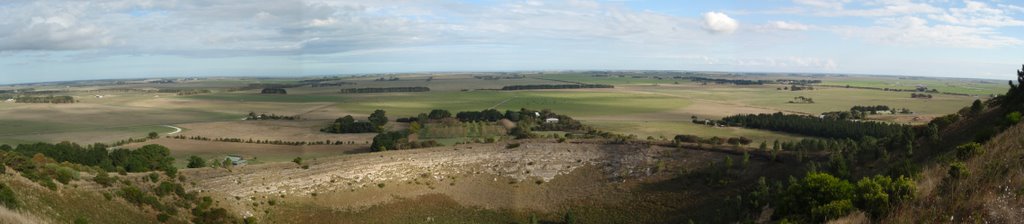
(53, 40)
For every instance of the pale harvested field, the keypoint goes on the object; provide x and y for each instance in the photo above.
(304, 130)
(88, 123)
(231, 107)
(257, 153)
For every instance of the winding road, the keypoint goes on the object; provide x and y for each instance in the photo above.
(176, 129)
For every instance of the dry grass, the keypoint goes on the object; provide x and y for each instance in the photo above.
(853, 218)
(8, 216)
(992, 193)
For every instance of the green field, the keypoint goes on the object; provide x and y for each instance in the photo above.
(643, 106)
(966, 86)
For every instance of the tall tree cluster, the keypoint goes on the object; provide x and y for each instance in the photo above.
(147, 158)
(814, 126)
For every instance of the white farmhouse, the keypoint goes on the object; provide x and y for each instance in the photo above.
(236, 160)
(551, 120)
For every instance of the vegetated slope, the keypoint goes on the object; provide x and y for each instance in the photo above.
(37, 204)
(987, 188)
(964, 181)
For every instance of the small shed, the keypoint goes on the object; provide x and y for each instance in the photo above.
(236, 160)
(551, 120)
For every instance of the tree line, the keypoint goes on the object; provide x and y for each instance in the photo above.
(146, 158)
(253, 86)
(921, 95)
(348, 124)
(869, 108)
(861, 112)
(45, 99)
(556, 86)
(798, 81)
(253, 116)
(399, 140)
(490, 115)
(274, 91)
(192, 92)
(262, 141)
(814, 126)
(728, 81)
(387, 90)
(333, 84)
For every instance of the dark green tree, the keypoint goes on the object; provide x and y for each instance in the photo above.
(378, 118)
(439, 114)
(196, 162)
(977, 106)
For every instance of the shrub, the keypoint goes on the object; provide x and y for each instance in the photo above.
(48, 183)
(163, 217)
(7, 197)
(569, 218)
(818, 192)
(977, 106)
(171, 172)
(297, 160)
(832, 210)
(65, 175)
(196, 162)
(1013, 117)
(154, 177)
(958, 170)
(164, 188)
(512, 145)
(103, 179)
(969, 150)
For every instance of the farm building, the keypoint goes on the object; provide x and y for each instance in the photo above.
(236, 160)
(551, 120)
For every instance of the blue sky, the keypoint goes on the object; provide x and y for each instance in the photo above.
(49, 40)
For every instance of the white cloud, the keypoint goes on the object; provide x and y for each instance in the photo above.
(49, 30)
(787, 26)
(914, 31)
(719, 23)
(877, 8)
(773, 63)
(976, 13)
(827, 4)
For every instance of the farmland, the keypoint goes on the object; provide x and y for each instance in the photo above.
(548, 151)
(643, 106)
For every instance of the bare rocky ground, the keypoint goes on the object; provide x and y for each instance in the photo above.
(537, 175)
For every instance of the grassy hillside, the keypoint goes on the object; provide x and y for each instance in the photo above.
(986, 188)
(69, 204)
